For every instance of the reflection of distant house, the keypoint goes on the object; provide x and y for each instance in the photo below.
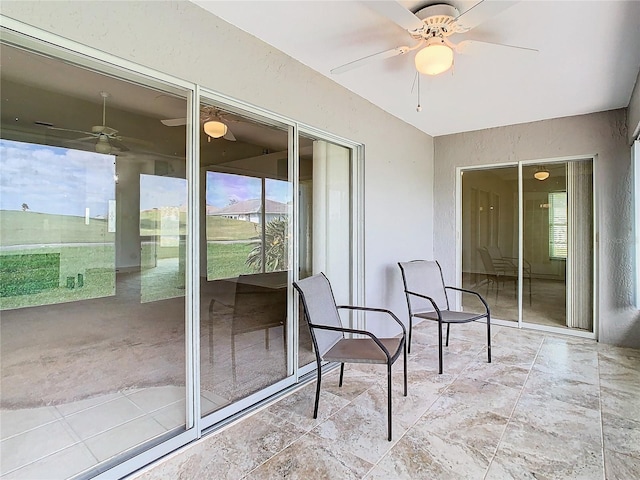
(251, 210)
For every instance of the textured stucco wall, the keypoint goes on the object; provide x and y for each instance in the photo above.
(633, 111)
(604, 134)
(183, 40)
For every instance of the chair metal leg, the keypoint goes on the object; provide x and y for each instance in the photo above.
(405, 369)
(389, 398)
(440, 345)
(448, 325)
(318, 382)
(341, 374)
(489, 338)
(410, 330)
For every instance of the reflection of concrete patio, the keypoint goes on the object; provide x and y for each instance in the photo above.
(84, 381)
(60, 441)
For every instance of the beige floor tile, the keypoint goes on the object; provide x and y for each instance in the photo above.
(312, 458)
(621, 467)
(360, 431)
(621, 434)
(431, 456)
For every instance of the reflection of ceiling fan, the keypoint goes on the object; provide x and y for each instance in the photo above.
(212, 124)
(432, 26)
(107, 138)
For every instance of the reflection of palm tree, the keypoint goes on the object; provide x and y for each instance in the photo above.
(275, 248)
(25, 207)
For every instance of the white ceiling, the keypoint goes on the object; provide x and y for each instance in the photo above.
(588, 59)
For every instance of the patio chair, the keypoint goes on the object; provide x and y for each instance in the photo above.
(427, 299)
(331, 344)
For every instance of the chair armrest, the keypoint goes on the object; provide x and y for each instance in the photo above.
(435, 306)
(525, 262)
(353, 330)
(464, 290)
(380, 310)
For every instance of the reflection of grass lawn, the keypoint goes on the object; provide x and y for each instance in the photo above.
(226, 260)
(94, 264)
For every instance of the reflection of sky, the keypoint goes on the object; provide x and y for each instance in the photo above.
(225, 188)
(55, 180)
(157, 192)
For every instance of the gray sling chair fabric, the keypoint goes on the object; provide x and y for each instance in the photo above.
(427, 299)
(329, 340)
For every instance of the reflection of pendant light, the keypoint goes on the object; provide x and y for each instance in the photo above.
(541, 174)
(435, 58)
(215, 129)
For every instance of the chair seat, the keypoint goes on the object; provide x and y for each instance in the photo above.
(449, 316)
(361, 350)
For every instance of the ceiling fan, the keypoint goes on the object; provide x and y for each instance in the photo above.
(211, 119)
(431, 27)
(107, 138)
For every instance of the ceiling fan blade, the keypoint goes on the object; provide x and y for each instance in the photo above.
(370, 58)
(229, 136)
(174, 122)
(118, 144)
(471, 46)
(481, 12)
(92, 135)
(397, 14)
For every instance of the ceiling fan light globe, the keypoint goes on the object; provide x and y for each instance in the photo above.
(103, 145)
(434, 59)
(215, 129)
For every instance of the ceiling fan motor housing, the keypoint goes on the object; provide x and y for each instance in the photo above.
(439, 21)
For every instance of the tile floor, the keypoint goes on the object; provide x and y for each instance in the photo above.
(548, 407)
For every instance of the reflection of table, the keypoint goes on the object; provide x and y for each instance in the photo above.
(257, 302)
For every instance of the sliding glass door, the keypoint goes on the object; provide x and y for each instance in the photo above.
(528, 242)
(246, 205)
(93, 223)
(490, 238)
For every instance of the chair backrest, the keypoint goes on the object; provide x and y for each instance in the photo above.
(489, 268)
(495, 253)
(424, 277)
(320, 308)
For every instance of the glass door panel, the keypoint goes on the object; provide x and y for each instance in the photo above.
(490, 239)
(246, 208)
(93, 220)
(325, 224)
(558, 244)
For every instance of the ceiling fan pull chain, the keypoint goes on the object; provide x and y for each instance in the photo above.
(419, 107)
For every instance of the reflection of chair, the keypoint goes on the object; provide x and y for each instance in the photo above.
(427, 299)
(510, 264)
(257, 307)
(497, 273)
(329, 340)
